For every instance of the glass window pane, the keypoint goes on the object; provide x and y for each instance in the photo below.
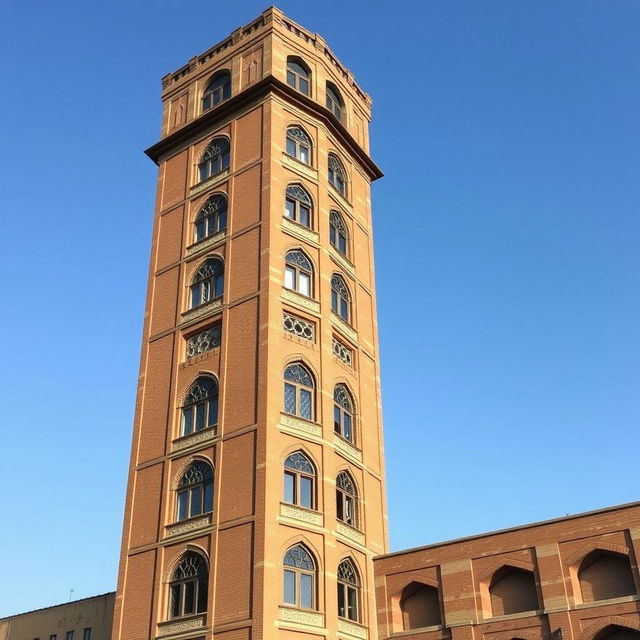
(222, 221)
(202, 595)
(306, 492)
(303, 85)
(200, 230)
(289, 398)
(305, 216)
(289, 277)
(334, 301)
(195, 295)
(332, 235)
(344, 309)
(339, 505)
(290, 209)
(304, 154)
(305, 404)
(337, 427)
(200, 410)
(196, 501)
(346, 425)
(205, 291)
(213, 412)
(291, 79)
(289, 587)
(305, 284)
(342, 244)
(219, 286)
(348, 510)
(291, 147)
(189, 598)
(187, 420)
(208, 497)
(289, 483)
(341, 601)
(174, 601)
(352, 603)
(183, 505)
(306, 591)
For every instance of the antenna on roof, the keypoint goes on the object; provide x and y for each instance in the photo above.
(71, 594)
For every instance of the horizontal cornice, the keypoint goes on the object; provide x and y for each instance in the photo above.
(270, 84)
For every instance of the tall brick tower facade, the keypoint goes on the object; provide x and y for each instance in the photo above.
(256, 495)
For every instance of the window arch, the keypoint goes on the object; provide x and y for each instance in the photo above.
(188, 587)
(211, 218)
(346, 499)
(299, 144)
(195, 491)
(299, 480)
(200, 409)
(604, 575)
(215, 158)
(420, 606)
(207, 283)
(298, 75)
(335, 103)
(338, 234)
(513, 591)
(299, 578)
(617, 632)
(348, 591)
(298, 391)
(298, 273)
(337, 175)
(340, 298)
(343, 412)
(217, 91)
(297, 205)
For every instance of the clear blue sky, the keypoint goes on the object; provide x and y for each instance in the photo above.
(507, 235)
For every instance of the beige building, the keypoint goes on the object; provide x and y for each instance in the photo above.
(86, 619)
(256, 496)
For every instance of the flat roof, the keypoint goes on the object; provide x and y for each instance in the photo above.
(61, 604)
(584, 514)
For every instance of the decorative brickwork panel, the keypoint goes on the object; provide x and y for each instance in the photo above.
(342, 352)
(204, 341)
(301, 515)
(299, 327)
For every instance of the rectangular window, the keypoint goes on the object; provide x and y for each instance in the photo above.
(69, 635)
(187, 421)
(342, 612)
(336, 419)
(200, 409)
(289, 487)
(174, 604)
(304, 155)
(87, 634)
(346, 418)
(289, 587)
(305, 284)
(208, 497)
(291, 147)
(352, 604)
(195, 501)
(306, 493)
(306, 591)
(348, 508)
(189, 597)
(305, 404)
(304, 86)
(339, 505)
(305, 216)
(183, 505)
(289, 278)
(289, 398)
(290, 209)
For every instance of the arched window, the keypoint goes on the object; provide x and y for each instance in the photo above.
(346, 499)
(298, 75)
(348, 591)
(297, 205)
(298, 145)
(218, 90)
(343, 412)
(299, 480)
(338, 232)
(207, 283)
(604, 575)
(617, 632)
(298, 273)
(188, 586)
(298, 391)
(195, 491)
(215, 158)
(335, 103)
(299, 578)
(200, 409)
(513, 591)
(340, 298)
(212, 218)
(337, 176)
(420, 606)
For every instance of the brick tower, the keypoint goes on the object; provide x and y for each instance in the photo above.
(256, 495)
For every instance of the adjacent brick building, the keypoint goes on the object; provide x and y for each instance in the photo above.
(574, 578)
